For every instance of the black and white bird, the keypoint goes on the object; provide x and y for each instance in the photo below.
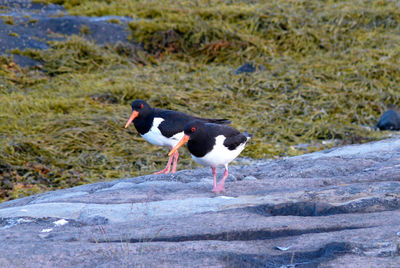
(163, 127)
(213, 145)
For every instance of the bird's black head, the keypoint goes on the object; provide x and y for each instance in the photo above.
(195, 132)
(140, 106)
(194, 129)
(140, 109)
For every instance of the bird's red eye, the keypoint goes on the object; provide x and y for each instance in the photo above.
(141, 106)
(193, 129)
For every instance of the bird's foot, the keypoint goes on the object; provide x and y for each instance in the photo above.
(164, 171)
(218, 189)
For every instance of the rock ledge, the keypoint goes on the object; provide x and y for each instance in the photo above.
(335, 208)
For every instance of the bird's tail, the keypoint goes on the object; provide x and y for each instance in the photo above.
(247, 135)
(219, 121)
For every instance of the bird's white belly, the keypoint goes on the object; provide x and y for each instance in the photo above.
(219, 155)
(155, 137)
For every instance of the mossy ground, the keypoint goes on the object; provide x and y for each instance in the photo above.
(330, 68)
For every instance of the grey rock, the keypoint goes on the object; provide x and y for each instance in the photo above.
(96, 220)
(334, 208)
(245, 68)
(390, 120)
(249, 68)
(249, 178)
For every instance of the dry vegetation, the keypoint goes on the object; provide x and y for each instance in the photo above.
(329, 70)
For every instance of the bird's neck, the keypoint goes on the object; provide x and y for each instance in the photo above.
(144, 122)
(201, 146)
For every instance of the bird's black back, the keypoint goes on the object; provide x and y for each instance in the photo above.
(175, 121)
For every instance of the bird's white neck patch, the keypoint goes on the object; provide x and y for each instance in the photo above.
(157, 121)
(155, 137)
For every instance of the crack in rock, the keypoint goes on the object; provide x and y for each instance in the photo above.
(309, 208)
(290, 260)
(244, 235)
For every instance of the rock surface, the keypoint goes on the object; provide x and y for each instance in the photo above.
(24, 24)
(335, 208)
(245, 68)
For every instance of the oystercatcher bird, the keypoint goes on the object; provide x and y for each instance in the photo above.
(163, 127)
(213, 145)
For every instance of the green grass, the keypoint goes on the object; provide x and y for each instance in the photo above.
(330, 70)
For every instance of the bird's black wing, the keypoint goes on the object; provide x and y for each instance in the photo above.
(175, 121)
(215, 121)
(234, 141)
(233, 138)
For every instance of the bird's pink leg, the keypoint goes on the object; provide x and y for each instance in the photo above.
(167, 167)
(176, 156)
(214, 171)
(220, 186)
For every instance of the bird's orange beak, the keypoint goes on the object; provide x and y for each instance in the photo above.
(133, 116)
(179, 145)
